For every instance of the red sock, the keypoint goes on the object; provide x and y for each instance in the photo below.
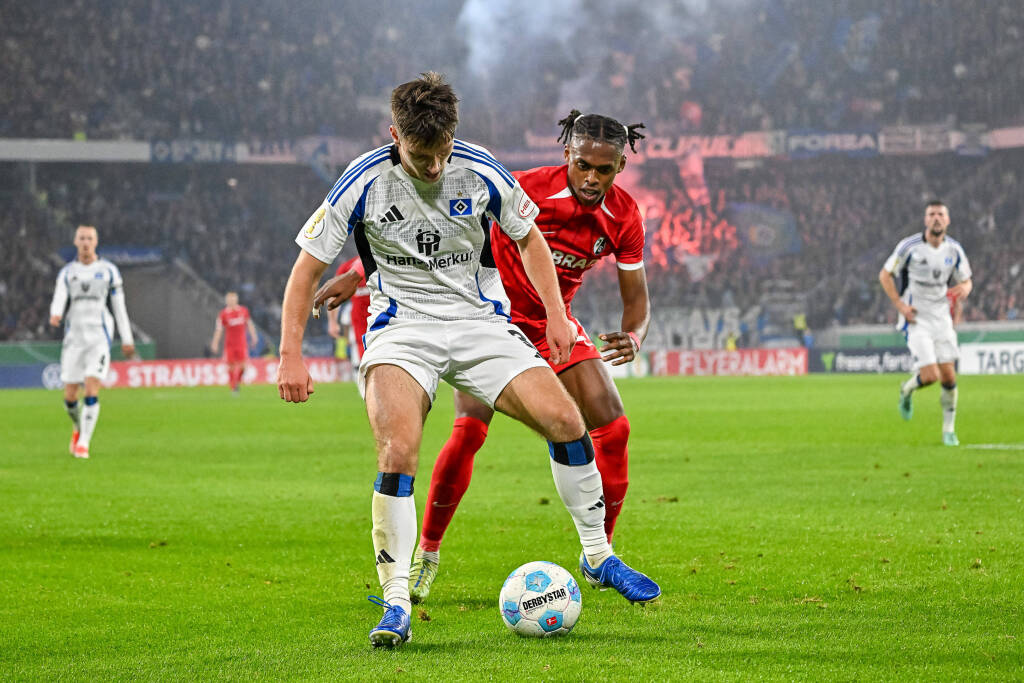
(450, 479)
(612, 460)
(236, 377)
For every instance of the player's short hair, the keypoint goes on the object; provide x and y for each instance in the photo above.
(425, 109)
(935, 202)
(600, 128)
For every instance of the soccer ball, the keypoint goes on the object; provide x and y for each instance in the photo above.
(540, 599)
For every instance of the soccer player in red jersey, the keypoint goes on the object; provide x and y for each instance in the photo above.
(353, 279)
(584, 217)
(233, 322)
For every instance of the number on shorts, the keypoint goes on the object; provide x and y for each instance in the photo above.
(522, 337)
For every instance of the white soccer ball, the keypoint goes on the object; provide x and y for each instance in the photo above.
(540, 599)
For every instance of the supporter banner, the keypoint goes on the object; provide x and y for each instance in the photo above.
(806, 144)
(742, 146)
(753, 362)
(766, 231)
(192, 151)
(121, 254)
(895, 359)
(915, 139)
(1006, 358)
(190, 372)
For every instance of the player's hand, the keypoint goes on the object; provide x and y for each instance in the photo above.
(561, 337)
(619, 348)
(294, 384)
(333, 327)
(959, 291)
(54, 321)
(337, 290)
(128, 350)
(908, 312)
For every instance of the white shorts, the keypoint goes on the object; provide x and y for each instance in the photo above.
(477, 357)
(79, 360)
(932, 342)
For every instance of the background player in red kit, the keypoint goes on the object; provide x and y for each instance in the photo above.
(584, 218)
(353, 279)
(233, 322)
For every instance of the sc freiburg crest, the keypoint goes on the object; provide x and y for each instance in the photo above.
(598, 246)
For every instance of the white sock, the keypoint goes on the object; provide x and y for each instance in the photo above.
(74, 412)
(910, 385)
(579, 487)
(394, 538)
(90, 414)
(948, 402)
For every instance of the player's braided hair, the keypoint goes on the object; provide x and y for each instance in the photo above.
(602, 128)
(425, 109)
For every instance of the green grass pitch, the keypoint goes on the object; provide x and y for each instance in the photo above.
(799, 530)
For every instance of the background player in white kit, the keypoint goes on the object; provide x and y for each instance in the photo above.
(926, 262)
(419, 211)
(87, 282)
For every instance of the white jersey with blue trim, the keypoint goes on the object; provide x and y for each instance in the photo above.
(87, 287)
(425, 246)
(925, 273)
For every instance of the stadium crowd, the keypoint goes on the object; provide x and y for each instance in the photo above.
(234, 225)
(258, 70)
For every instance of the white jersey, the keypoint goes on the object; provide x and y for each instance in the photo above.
(425, 246)
(925, 272)
(88, 320)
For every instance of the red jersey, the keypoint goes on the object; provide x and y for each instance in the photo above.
(579, 236)
(234, 320)
(360, 301)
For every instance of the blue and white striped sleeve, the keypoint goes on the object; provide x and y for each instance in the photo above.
(326, 231)
(509, 204)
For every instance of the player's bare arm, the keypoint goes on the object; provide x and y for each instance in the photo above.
(885, 278)
(294, 384)
(622, 347)
(337, 290)
(540, 269)
(961, 290)
(253, 336)
(218, 330)
(55, 320)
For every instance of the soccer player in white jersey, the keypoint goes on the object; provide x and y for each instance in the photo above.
(419, 211)
(926, 263)
(87, 282)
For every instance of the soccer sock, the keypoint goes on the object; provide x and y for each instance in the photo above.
(448, 483)
(910, 385)
(74, 412)
(394, 535)
(90, 414)
(578, 483)
(612, 458)
(948, 402)
(235, 378)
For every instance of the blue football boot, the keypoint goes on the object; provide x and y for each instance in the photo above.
(614, 573)
(393, 629)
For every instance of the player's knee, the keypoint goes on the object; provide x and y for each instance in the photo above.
(563, 423)
(928, 376)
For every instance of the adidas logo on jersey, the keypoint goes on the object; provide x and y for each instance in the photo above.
(391, 215)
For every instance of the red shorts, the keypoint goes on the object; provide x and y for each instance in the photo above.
(584, 348)
(236, 354)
